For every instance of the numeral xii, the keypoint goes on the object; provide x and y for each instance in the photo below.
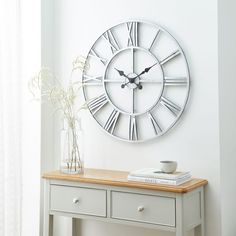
(132, 28)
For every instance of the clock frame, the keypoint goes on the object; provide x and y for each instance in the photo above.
(136, 81)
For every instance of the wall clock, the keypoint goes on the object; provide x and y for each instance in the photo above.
(136, 81)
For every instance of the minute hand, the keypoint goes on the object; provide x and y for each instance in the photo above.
(145, 70)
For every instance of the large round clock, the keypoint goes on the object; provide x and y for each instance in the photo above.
(136, 81)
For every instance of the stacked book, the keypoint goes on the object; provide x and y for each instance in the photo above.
(155, 176)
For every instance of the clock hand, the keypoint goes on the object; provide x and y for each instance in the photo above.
(145, 70)
(138, 85)
(123, 85)
(130, 80)
(121, 73)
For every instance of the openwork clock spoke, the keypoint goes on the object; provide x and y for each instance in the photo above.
(152, 81)
(133, 59)
(114, 81)
(133, 101)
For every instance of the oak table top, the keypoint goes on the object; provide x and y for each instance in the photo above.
(119, 178)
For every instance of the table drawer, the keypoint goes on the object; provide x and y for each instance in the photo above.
(78, 200)
(143, 208)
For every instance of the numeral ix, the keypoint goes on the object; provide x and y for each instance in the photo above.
(92, 80)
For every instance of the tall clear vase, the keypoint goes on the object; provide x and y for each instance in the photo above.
(71, 158)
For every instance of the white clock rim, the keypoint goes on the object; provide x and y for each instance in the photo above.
(180, 115)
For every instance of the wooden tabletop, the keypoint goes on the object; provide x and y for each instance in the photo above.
(119, 178)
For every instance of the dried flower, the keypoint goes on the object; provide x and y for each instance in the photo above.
(46, 87)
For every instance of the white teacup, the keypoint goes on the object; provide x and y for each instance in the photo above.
(168, 166)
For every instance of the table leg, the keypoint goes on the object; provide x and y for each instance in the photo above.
(48, 225)
(199, 230)
(74, 233)
(180, 229)
(181, 233)
(47, 218)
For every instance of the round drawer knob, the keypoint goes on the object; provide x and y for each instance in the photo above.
(140, 208)
(75, 200)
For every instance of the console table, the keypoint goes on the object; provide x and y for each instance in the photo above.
(108, 196)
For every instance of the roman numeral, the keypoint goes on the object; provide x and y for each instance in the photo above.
(97, 103)
(175, 81)
(155, 125)
(155, 38)
(92, 80)
(112, 121)
(170, 57)
(95, 55)
(133, 133)
(110, 39)
(173, 108)
(132, 33)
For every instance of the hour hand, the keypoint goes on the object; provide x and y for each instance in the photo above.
(121, 73)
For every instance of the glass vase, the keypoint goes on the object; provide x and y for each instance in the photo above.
(71, 158)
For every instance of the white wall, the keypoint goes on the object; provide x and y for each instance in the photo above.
(227, 98)
(194, 142)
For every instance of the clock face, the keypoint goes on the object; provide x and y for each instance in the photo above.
(136, 81)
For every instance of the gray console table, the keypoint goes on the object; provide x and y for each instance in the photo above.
(108, 196)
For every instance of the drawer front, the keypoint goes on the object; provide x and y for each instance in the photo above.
(78, 200)
(143, 208)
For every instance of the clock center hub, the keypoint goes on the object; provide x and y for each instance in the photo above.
(132, 81)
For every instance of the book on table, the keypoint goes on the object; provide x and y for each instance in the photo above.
(155, 176)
